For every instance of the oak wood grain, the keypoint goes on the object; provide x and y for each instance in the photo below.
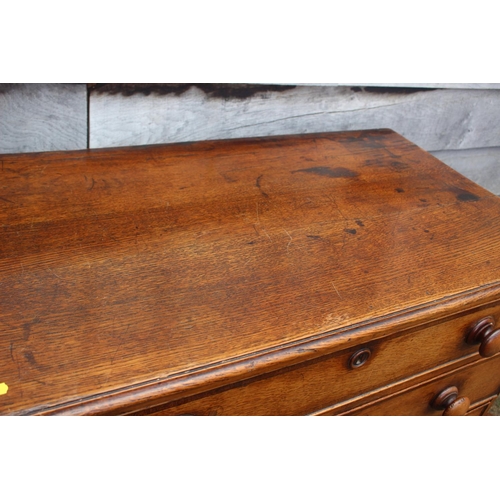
(308, 387)
(474, 382)
(133, 277)
(480, 409)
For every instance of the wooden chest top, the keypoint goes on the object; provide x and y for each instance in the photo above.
(132, 274)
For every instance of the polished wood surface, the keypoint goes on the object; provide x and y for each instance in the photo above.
(475, 382)
(138, 276)
(484, 333)
(449, 401)
(309, 387)
(479, 410)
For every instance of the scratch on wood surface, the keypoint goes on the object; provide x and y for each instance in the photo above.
(258, 218)
(120, 343)
(291, 239)
(334, 203)
(257, 183)
(5, 199)
(57, 276)
(267, 234)
(335, 288)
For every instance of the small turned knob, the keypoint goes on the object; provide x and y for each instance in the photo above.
(449, 401)
(359, 358)
(483, 332)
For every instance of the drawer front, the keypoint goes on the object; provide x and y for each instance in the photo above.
(308, 387)
(480, 410)
(478, 381)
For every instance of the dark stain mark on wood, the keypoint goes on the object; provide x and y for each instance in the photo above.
(6, 200)
(423, 200)
(28, 355)
(213, 90)
(328, 172)
(226, 178)
(314, 237)
(391, 90)
(257, 183)
(350, 231)
(359, 223)
(27, 328)
(400, 190)
(353, 137)
(27, 331)
(426, 230)
(397, 165)
(463, 195)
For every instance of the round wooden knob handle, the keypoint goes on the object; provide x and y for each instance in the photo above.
(449, 401)
(483, 332)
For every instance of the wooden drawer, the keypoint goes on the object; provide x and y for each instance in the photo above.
(480, 409)
(311, 386)
(475, 381)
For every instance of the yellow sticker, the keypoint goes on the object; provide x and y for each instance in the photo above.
(3, 388)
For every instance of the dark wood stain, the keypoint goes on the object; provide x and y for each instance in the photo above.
(350, 231)
(28, 355)
(328, 172)
(257, 183)
(359, 222)
(226, 177)
(397, 165)
(466, 196)
(27, 328)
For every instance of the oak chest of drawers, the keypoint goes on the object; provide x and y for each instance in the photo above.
(323, 274)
